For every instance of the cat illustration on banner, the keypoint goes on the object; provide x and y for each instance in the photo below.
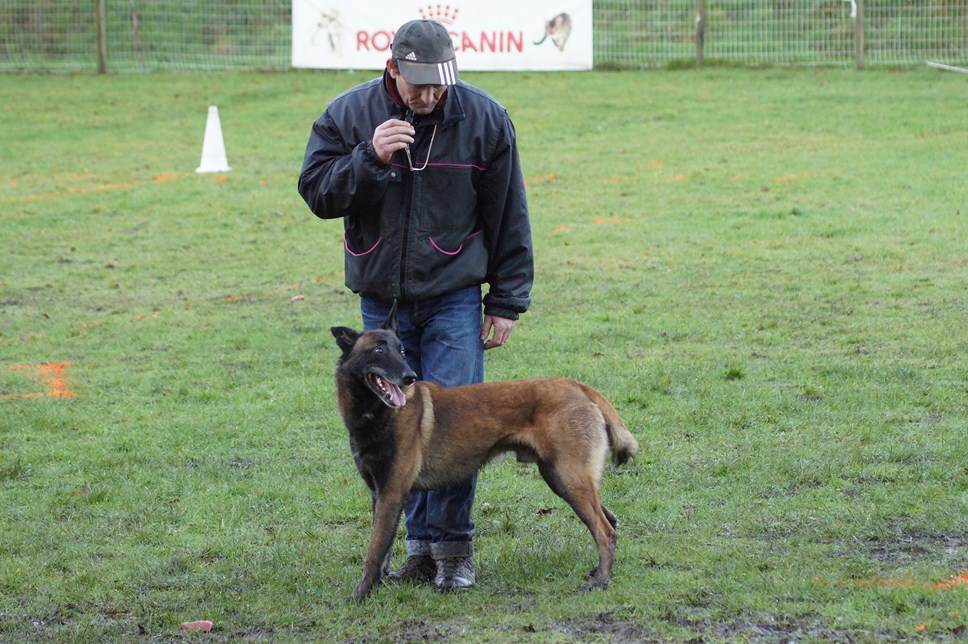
(559, 28)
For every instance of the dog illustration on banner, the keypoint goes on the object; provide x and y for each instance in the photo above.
(331, 26)
(558, 28)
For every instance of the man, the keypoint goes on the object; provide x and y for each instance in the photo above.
(424, 170)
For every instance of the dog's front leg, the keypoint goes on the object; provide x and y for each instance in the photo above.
(385, 567)
(387, 509)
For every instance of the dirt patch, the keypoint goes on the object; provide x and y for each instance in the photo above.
(948, 549)
(602, 626)
(788, 629)
(31, 625)
(416, 630)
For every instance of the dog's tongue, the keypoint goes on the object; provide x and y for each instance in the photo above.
(396, 394)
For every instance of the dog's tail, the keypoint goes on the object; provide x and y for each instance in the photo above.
(620, 440)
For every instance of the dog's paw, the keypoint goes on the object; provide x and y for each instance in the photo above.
(362, 592)
(594, 585)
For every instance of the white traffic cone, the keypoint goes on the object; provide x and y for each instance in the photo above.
(213, 147)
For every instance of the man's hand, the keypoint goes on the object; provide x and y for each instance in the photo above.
(501, 327)
(391, 136)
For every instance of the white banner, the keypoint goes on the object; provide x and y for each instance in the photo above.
(488, 35)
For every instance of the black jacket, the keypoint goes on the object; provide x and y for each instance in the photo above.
(416, 235)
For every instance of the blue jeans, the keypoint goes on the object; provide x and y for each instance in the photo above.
(442, 340)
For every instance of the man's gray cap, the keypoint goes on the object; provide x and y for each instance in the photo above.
(424, 53)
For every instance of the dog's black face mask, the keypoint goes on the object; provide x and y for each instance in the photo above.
(376, 358)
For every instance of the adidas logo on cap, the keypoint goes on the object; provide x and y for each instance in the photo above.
(424, 51)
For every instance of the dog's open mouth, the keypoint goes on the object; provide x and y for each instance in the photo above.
(389, 393)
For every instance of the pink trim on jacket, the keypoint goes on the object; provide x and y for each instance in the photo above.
(346, 244)
(459, 248)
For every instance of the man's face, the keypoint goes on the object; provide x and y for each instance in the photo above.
(421, 99)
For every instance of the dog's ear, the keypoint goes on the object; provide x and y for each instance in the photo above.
(390, 324)
(345, 337)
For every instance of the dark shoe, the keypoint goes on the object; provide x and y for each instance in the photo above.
(454, 574)
(416, 569)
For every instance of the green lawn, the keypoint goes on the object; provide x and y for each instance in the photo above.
(766, 272)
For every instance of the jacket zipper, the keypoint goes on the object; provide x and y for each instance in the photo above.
(408, 216)
(409, 118)
(406, 237)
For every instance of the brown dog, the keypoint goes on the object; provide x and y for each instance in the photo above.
(417, 435)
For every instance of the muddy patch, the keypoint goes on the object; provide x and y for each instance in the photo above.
(601, 627)
(417, 630)
(949, 549)
(786, 629)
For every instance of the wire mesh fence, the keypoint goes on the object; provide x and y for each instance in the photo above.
(787, 32)
(934, 30)
(60, 35)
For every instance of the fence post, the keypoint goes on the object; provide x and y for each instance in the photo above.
(700, 31)
(100, 17)
(859, 36)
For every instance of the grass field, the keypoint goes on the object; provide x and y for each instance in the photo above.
(766, 271)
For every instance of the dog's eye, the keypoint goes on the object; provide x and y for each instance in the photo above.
(378, 350)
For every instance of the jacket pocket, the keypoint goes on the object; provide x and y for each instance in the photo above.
(445, 263)
(444, 249)
(360, 252)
